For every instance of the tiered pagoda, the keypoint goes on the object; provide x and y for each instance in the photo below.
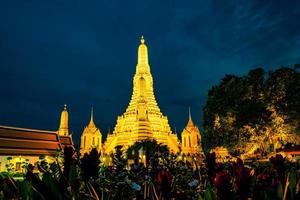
(142, 119)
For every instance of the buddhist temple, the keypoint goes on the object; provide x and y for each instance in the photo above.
(142, 119)
(91, 137)
(22, 145)
(190, 138)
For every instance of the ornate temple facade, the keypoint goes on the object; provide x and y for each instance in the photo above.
(91, 137)
(142, 118)
(190, 138)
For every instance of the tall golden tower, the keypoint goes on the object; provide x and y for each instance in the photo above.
(64, 120)
(190, 138)
(91, 137)
(142, 118)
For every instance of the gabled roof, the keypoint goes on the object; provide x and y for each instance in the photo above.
(190, 126)
(22, 141)
(91, 127)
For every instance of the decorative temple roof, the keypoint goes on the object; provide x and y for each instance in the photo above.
(190, 137)
(91, 137)
(91, 127)
(190, 126)
(91, 123)
(190, 122)
(65, 141)
(22, 141)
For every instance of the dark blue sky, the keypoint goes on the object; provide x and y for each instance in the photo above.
(84, 53)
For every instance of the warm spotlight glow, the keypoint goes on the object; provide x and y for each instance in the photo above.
(142, 119)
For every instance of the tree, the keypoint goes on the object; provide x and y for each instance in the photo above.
(243, 110)
(90, 165)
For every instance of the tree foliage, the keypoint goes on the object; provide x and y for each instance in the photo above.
(90, 165)
(258, 106)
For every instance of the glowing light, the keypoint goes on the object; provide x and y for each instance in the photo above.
(64, 120)
(91, 137)
(190, 138)
(142, 119)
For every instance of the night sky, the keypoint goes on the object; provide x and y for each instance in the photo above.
(84, 53)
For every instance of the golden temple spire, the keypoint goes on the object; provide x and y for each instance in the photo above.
(64, 120)
(143, 65)
(190, 122)
(92, 124)
(142, 40)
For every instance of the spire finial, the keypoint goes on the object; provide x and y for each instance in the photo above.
(190, 122)
(143, 65)
(142, 40)
(92, 124)
(65, 106)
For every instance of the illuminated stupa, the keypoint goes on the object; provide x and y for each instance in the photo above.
(142, 119)
(64, 121)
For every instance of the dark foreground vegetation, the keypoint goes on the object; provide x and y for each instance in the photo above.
(163, 176)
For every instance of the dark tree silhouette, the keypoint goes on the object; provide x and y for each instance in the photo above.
(239, 102)
(90, 165)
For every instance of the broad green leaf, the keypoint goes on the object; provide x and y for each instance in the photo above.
(279, 191)
(52, 185)
(200, 197)
(24, 189)
(209, 194)
(292, 181)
